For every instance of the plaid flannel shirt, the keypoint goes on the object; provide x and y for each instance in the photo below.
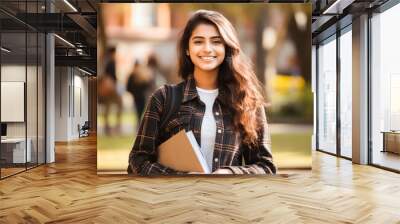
(228, 149)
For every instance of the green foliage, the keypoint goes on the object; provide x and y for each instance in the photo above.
(293, 107)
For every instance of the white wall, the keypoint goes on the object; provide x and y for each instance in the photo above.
(11, 73)
(71, 94)
(62, 80)
(33, 126)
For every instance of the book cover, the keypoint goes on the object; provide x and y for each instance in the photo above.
(182, 152)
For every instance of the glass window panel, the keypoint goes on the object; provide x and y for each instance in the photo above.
(41, 98)
(14, 153)
(385, 89)
(31, 97)
(32, 83)
(327, 97)
(22, 62)
(346, 94)
(13, 84)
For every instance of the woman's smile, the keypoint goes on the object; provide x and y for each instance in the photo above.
(207, 58)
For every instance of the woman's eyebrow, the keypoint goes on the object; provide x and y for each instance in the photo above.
(202, 37)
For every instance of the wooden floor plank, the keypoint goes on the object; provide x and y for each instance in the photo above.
(70, 191)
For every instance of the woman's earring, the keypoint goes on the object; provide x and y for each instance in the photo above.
(187, 53)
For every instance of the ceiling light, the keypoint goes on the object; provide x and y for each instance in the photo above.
(84, 71)
(65, 41)
(5, 49)
(70, 5)
(337, 7)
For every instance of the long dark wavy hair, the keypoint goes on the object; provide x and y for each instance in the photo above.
(235, 74)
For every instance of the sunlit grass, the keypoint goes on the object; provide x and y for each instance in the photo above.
(290, 150)
(126, 118)
(115, 142)
(292, 143)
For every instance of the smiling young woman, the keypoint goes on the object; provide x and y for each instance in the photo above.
(222, 104)
(207, 52)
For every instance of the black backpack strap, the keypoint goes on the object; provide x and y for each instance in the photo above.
(173, 101)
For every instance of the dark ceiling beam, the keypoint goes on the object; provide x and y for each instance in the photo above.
(52, 22)
(82, 61)
(84, 24)
(11, 25)
(16, 18)
(339, 14)
(320, 23)
(91, 6)
(86, 51)
(69, 23)
(49, 22)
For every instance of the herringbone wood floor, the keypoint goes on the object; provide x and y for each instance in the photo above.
(69, 191)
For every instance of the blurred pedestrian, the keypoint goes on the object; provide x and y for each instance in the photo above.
(140, 82)
(156, 70)
(108, 94)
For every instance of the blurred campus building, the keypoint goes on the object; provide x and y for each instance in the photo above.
(274, 38)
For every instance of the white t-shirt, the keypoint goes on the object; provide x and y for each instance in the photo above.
(208, 125)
